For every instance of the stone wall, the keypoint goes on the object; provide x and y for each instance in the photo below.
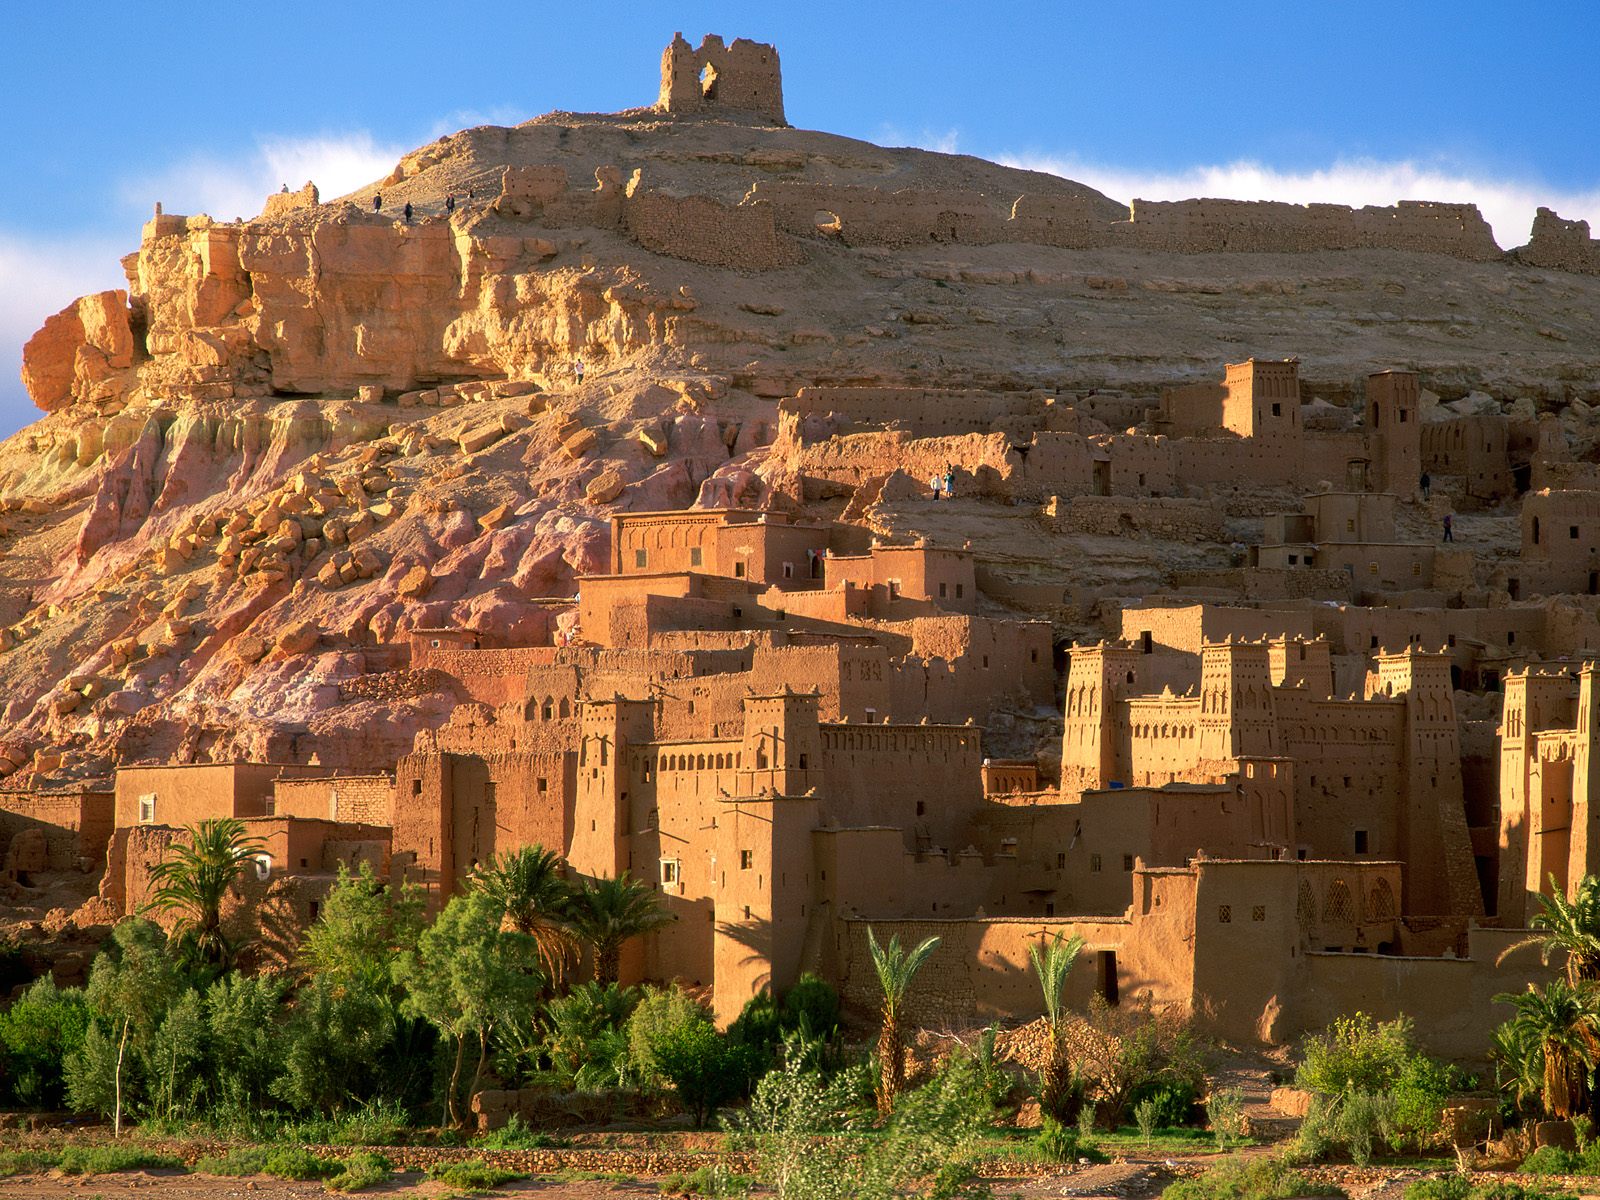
(1562, 245)
(1115, 516)
(745, 78)
(703, 230)
(74, 824)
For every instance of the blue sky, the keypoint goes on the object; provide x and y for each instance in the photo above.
(209, 106)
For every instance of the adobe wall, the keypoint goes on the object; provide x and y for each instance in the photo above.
(492, 677)
(187, 793)
(363, 799)
(1561, 245)
(980, 970)
(745, 77)
(1112, 516)
(1451, 1000)
(75, 824)
(925, 412)
(702, 230)
(865, 216)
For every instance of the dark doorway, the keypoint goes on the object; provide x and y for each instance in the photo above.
(1102, 478)
(1108, 976)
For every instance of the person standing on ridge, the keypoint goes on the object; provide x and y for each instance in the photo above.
(377, 201)
(934, 483)
(577, 370)
(1427, 485)
(1449, 529)
(450, 202)
(408, 212)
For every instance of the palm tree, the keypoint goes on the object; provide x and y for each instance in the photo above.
(1052, 962)
(537, 900)
(1572, 926)
(608, 912)
(193, 878)
(895, 970)
(1555, 1029)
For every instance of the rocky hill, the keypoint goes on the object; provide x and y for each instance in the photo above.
(296, 438)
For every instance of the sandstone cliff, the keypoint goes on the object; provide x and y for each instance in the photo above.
(294, 439)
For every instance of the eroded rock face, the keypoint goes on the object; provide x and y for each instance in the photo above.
(294, 440)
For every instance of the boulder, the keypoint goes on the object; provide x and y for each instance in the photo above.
(579, 444)
(299, 637)
(415, 583)
(604, 487)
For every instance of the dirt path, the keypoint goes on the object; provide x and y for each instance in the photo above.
(170, 1185)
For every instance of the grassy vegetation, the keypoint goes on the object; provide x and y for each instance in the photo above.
(281, 1162)
(363, 1169)
(1458, 1187)
(104, 1160)
(1251, 1179)
(25, 1162)
(706, 1181)
(516, 1134)
(474, 1175)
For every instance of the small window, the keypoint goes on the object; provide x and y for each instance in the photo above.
(1258, 913)
(1372, 568)
(1361, 841)
(747, 859)
(304, 864)
(697, 556)
(147, 808)
(746, 912)
(738, 570)
(1416, 568)
(985, 662)
(1277, 410)
(894, 589)
(960, 588)
(1033, 656)
(1573, 533)
(1350, 525)
(1294, 560)
(1094, 863)
(315, 909)
(1450, 640)
(1225, 914)
(641, 558)
(788, 570)
(416, 787)
(1511, 638)
(922, 807)
(543, 785)
(670, 868)
(1127, 862)
(803, 761)
(1374, 642)
(944, 590)
(1402, 416)
(1061, 860)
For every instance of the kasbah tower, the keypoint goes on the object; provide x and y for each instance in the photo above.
(717, 501)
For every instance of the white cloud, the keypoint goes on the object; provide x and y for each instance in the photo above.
(39, 277)
(229, 188)
(928, 139)
(1507, 204)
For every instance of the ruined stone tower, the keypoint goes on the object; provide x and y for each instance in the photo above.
(740, 80)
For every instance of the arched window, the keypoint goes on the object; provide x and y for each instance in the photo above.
(1380, 901)
(564, 709)
(1306, 908)
(1339, 908)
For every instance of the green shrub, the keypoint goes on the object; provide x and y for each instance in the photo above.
(474, 1174)
(1225, 1115)
(811, 1008)
(705, 1181)
(26, 1162)
(281, 1162)
(660, 1015)
(363, 1169)
(1175, 1101)
(1248, 1179)
(1055, 1142)
(104, 1160)
(706, 1069)
(1458, 1187)
(1370, 1086)
(39, 1032)
(1551, 1160)
(516, 1134)
(1445, 1187)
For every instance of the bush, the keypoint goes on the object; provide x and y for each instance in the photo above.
(281, 1162)
(1371, 1085)
(1459, 1187)
(705, 1181)
(1248, 1179)
(1126, 1050)
(1175, 1100)
(363, 1169)
(26, 1162)
(706, 1069)
(39, 1032)
(1552, 1160)
(584, 1039)
(472, 1174)
(516, 1134)
(104, 1160)
(659, 1015)
(1225, 1114)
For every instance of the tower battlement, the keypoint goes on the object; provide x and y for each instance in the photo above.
(743, 78)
